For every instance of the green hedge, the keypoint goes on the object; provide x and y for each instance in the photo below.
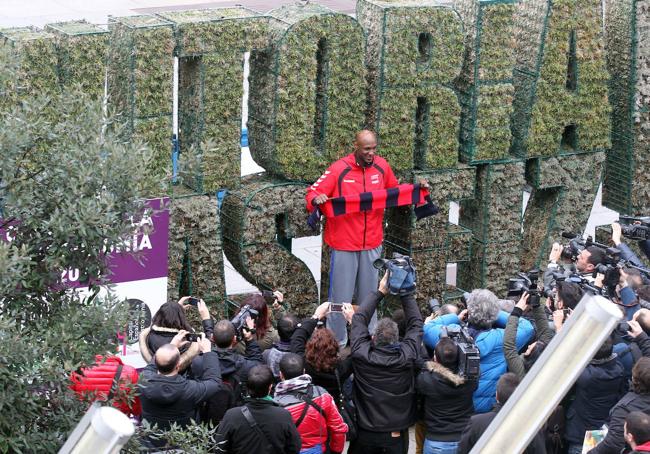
(492, 264)
(564, 188)
(485, 83)
(195, 251)
(258, 221)
(548, 104)
(82, 55)
(626, 186)
(33, 54)
(414, 53)
(494, 214)
(210, 44)
(306, 92)
(140, 78)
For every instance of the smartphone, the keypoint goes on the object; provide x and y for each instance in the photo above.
(193, 301)
(336, 307)
(193, 337)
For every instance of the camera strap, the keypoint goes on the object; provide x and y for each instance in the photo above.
(251, 422)
(116, 382)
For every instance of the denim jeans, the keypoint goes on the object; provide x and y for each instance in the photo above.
(313, 450)
(440, 447)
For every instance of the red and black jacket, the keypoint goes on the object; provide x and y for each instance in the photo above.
(354, 231)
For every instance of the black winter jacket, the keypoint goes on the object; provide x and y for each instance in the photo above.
(448, 403)
(325, 379)
(168, 399)
(384, 381)
(232, 363)
(597, 390)
(236, 436)
(614, 441)
(478, 424)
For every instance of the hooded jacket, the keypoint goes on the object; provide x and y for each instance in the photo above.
(645, 447)
(168, 399)
(291, 394)
(448, 403)
(354, 231)
(490, 345)
(384, 381)
(597, 390)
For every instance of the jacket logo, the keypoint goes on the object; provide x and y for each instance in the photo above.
(374, 179)
(348, 181)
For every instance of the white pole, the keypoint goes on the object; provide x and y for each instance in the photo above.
(551, 377)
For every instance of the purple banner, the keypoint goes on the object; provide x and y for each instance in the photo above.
(150, 246)
(144, 256)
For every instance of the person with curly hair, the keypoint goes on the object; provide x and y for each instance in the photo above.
(486, 324)
(321, 351)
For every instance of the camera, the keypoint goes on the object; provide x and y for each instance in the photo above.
(193, 301)
(193, 337)
(401, 273)
(239, 320)
(434, 305)
(635, 228)
(336, 307)
(469, 357)
(525, 282)
(268, 296)
(572, 250)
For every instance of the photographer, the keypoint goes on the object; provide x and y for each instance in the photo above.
(169, 398)
(234, 367)
(265, 334)
(384, 391)
(486, 325)
(626, 253)
(448, 403)
(585, 260)
(520, 364)
(564, 300)
(168, 321)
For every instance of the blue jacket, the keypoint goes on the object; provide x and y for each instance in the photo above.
(490, 345)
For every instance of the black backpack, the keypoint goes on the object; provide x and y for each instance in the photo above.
(230, 395)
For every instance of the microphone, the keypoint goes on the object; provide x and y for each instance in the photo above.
(569, 235)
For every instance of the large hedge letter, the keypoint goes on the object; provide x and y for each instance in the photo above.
(413, 55)
(306, 92)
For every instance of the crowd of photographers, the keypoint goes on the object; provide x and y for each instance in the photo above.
(271, 383)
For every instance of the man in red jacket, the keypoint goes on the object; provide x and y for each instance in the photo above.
(354, 239)
(312, 409)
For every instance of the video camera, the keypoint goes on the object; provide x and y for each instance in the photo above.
(635, 228)
(525, 282)
(401, 273)
(469, 357)
(239, 320)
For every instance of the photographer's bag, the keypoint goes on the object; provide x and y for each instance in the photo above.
(347, 411)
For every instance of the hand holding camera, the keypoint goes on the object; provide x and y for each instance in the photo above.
(322, 310)
(180, 339)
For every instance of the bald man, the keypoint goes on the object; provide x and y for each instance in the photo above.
(168, 397)
(354, 239)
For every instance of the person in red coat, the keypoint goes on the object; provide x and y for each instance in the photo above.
(355, 239)
(95, 383)
(312, 409)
